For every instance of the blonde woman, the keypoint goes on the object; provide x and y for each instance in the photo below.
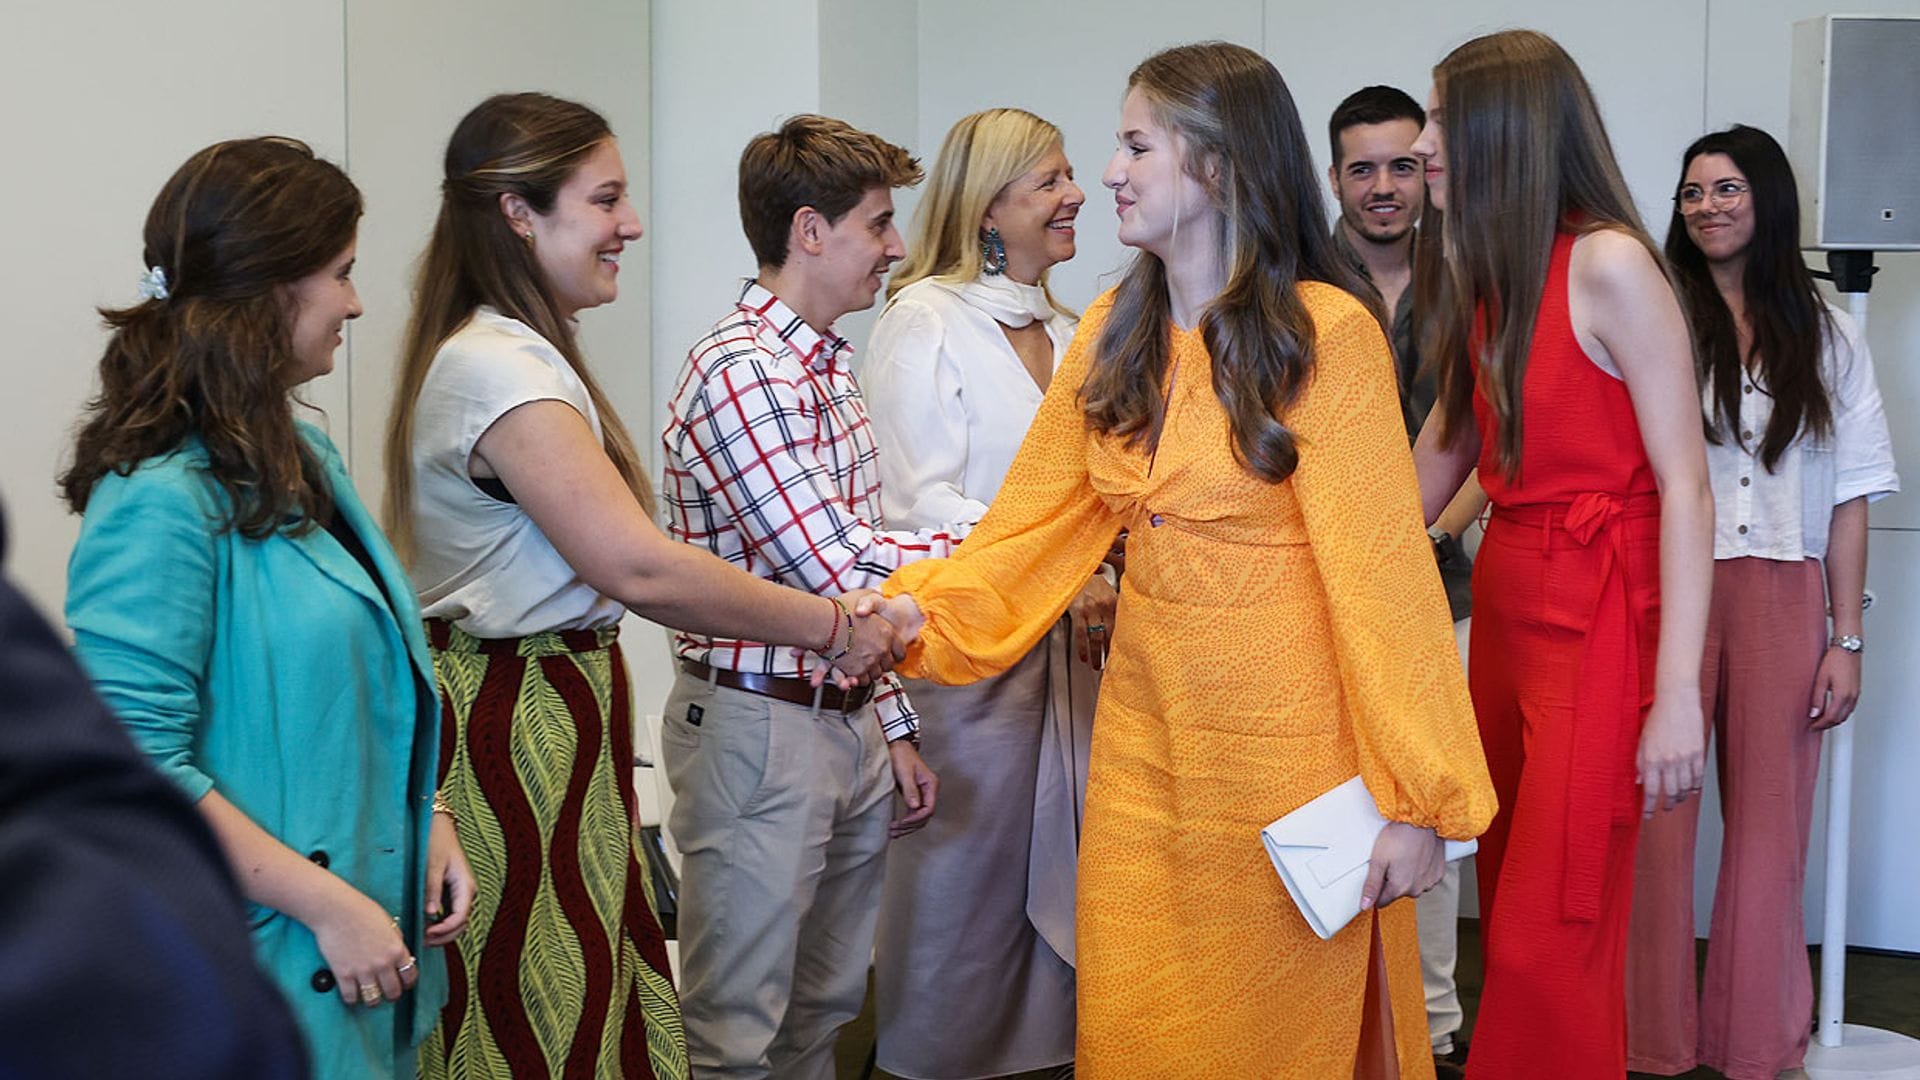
(958, 364)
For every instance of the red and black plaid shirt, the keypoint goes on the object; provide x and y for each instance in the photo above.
(771, 465)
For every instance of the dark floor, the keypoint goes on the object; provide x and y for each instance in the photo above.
(1883, 991)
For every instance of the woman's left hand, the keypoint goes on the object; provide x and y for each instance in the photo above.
(1407, 861)
(1092, 615)
(1836, 689)
(449, 879)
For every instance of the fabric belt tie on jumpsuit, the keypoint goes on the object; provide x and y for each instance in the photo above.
(1607, 700)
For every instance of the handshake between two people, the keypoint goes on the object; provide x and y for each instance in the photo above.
(881, 631)
(883, 628)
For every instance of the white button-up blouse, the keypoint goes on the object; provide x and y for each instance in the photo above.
(1785, 514)
(949, 398)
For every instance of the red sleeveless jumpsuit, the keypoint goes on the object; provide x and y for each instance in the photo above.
(1565, 614)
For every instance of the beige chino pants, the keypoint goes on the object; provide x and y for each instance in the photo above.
(780, 813)
(1439, 919)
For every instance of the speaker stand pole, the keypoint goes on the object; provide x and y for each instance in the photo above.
(1843, 1051)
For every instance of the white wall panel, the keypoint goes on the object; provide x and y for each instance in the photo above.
(723, 71)
(869, 77)
(1885, 870)
(105, 100)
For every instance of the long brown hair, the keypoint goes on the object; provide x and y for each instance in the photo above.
(1783, 307)
(1527, 155)
(521, 144)
(982, 154)
(1238, 121)
(214, 357)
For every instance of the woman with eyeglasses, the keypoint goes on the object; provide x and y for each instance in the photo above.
(1798, 448)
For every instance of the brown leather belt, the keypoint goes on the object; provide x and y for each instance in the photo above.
(797, 691)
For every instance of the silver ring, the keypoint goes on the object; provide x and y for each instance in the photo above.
(406, 967)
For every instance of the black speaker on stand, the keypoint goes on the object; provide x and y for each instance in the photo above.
(1854, 139)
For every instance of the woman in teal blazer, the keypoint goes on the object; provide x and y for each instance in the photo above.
(238, 608)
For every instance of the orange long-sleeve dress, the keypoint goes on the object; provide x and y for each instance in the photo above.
(1272, 640)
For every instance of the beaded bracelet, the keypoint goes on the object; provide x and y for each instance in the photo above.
(848, 647)
(833, 632)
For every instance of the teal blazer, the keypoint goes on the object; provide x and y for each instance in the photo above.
(276, 671)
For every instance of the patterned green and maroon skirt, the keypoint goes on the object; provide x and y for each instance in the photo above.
(562, 969)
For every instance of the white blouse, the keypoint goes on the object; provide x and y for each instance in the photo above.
(480, 561)
(950, 403)
(950, 400)
(1785, 514)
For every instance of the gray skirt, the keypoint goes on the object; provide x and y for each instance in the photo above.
(973, 963)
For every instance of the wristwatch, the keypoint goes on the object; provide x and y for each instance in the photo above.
(1848, 643)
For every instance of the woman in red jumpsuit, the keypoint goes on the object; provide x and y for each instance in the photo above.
(1567, 376)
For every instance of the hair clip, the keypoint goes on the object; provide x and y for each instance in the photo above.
(153, 284)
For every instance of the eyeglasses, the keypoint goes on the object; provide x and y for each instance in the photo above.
(1724, 195)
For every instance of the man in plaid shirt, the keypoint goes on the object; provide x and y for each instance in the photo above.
(783, 794)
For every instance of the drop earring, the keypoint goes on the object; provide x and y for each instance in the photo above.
(993, 253)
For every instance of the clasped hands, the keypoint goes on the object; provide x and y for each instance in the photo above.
(882, 630)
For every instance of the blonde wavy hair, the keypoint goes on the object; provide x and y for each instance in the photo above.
(981, 155)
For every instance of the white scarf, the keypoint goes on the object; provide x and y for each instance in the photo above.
(1009, 302)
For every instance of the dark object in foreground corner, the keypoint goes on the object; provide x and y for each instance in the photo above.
(123, 942)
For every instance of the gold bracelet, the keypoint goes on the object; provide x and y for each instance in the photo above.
(442, 806)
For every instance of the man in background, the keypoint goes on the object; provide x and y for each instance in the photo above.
(1381, 188)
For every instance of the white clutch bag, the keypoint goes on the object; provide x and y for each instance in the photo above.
(1322, 851)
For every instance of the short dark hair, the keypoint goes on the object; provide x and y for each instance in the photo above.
(1372, 105)
(812, 161)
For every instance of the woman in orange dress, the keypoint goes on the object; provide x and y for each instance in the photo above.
(1281, 623)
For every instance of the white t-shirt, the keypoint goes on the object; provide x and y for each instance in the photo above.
(480, 561)
(950, 400)
(1785, 514)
